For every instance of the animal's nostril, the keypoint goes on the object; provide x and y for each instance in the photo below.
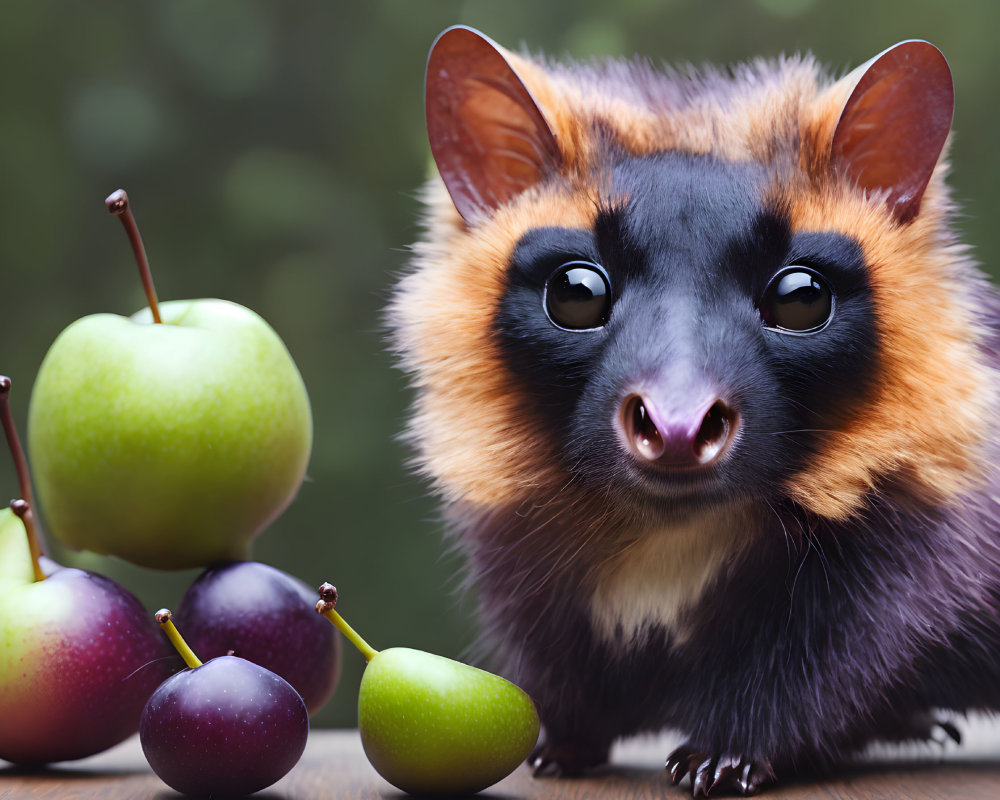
(714, 432)
(641, 429)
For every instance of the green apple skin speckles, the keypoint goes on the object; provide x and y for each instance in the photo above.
(168, 445)
(430, 725)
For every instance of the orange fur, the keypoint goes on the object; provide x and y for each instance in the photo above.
(932, 400)
(476, 434)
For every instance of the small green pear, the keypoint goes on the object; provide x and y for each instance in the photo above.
(431, 725)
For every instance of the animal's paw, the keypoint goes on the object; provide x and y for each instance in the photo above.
(933, 727)
(712, 774)
(920, 726)
(565, 760)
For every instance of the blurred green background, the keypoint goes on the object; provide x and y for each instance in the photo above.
(272, 152)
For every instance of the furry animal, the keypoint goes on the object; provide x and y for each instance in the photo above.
(707, 384)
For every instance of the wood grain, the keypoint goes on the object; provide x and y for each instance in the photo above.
(334, 767)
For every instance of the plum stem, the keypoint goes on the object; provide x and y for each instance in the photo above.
(23, 475)
(117, 204)
(174, 635)
(325, 606)
(23, 509)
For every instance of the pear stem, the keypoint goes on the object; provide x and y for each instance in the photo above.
(117, 203)
(174, 635)
(23, 510)
(325, 606)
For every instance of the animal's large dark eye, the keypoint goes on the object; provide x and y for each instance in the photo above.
(578, 296)
(797, 299)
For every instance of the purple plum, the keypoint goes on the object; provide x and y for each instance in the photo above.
(283, 633)
(226, 727)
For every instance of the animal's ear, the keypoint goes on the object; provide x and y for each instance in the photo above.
(895, 123)
(487, 135)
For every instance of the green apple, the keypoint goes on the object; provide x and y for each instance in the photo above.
(432, 725)
(168, 444)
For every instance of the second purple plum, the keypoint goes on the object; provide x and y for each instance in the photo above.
(266, 616)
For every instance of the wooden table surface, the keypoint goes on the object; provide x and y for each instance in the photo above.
(334, 766)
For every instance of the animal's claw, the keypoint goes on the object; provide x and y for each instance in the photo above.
(700, 785)
(950, 730)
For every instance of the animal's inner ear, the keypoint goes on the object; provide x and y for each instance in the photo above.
(895, 123)
(487, 135)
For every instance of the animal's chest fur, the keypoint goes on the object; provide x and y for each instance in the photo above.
(664, 573)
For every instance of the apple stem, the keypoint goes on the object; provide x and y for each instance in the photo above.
(23, 510)
(23, 477)
(174, 635)
(117, 203)
(325, 606)
(14, 442)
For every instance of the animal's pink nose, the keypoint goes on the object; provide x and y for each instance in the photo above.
(677, 438)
